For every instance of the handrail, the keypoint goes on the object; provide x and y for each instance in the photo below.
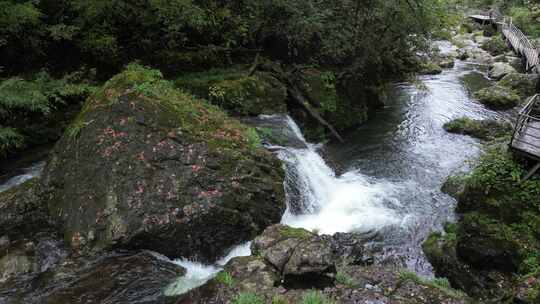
(524, 118)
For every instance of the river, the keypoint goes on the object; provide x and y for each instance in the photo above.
(394, 166)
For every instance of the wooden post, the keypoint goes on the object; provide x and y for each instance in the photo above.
(531, 172)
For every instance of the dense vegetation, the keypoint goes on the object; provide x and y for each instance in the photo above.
(379, 39)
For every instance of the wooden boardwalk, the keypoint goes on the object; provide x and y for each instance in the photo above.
(526, 137)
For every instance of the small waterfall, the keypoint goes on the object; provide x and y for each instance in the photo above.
(318, 200)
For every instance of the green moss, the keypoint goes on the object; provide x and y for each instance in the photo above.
(430, 68)
(225, 278)
(236, 92)
(247, 298)
(10, 140)
(483, 129)
(498, 97)
(495, 46)
(290, 232)
(193, 116)
(524, 85)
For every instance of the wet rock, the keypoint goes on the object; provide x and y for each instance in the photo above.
(22, 211)
(495, 46)
(276, 130)
(343, 282)
(498, 97)
(454, 186)
(500, 69)
(447, 63)
(486, 129)
(523, 84)
(17, 259)
(440, 249)
(113, 278)
(430, 68)
(146, 166)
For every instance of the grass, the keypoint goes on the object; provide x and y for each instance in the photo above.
(247, 298)
(315, 297)
(441, 284)
(290, 232)
(225, 278)
(344, 279)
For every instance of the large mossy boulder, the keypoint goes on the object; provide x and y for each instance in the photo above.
(523, 84)
(498, 97)
(237, 92)
(146, 166)
(486, 129)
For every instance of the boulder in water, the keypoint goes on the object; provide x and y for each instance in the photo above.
(498, 97)
(500, 69)
(146, 166)
(486, 129)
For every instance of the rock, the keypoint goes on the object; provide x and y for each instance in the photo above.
(481, 39)
(498, 97)
(487, 129)
(523, 84)
(310, 256)
(30, 256)
(148, 166)
(500, 58)
(516, 63)
(500, 69)
(481, 243)
(440, 249)
(454, 186)
(495, 46)
(22, 211)
(430, 68)
(447, 63)
(113, 278)
(528, 290)
(275, 130)
(238, 93)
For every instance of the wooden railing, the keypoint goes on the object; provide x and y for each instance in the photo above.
(521, 45)
(525, 131)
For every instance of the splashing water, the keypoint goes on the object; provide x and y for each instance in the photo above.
(197, 274)
(29, 173)
(330, 204)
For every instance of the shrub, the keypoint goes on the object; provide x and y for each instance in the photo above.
(315, 297)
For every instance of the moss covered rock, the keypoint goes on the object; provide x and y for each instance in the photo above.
(495, 46)
(236, 92)
(500, 69)
(498, 97)
(497, 234)
(487, 129)
(147, 166)
(430, 68)
(523, 84)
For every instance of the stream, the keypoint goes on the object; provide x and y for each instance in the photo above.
(394, 166)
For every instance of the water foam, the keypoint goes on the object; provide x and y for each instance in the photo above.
(197, 274)
(332, 204)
